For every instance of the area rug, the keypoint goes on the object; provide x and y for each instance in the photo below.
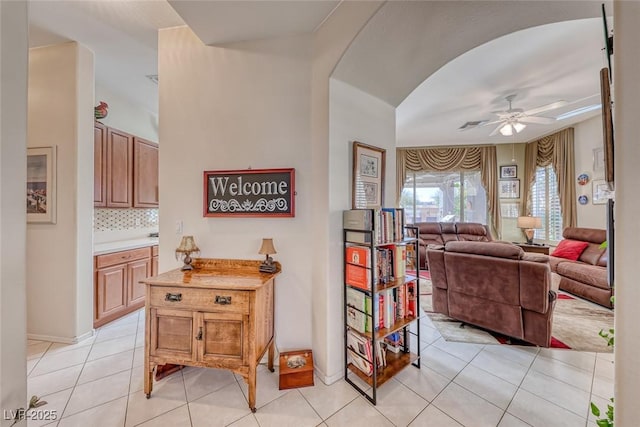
(576, 324)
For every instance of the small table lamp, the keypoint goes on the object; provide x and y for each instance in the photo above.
(268, 266)
(529, 223)
(184, 251)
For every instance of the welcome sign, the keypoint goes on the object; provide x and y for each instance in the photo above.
(252, 192)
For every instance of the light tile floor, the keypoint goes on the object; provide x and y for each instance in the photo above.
(98, 382)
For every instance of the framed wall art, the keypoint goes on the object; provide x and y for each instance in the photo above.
(509, 171)
(510, 209)
(601, 192)
(368, 176)
(41, 184)
(249, 193)
(509, 188)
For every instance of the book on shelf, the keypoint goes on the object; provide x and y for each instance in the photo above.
(358, 219)
(357, 320)
(358, 255)
(361, 352)
(411, 310)
(357, 276)
(358, 237)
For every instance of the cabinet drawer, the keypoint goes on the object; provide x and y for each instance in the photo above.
(115, 258)
(200, 299)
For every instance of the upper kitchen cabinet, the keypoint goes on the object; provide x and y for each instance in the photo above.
(119, 169)
(125, 170)
(99, 165)
(145, 173)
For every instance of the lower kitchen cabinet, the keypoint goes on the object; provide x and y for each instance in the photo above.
(117, 289)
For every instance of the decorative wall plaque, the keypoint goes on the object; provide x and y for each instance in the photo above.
(250, 193)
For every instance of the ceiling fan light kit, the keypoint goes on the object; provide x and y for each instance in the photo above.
(512, 121)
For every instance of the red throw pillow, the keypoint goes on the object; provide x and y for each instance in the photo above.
(570, 249)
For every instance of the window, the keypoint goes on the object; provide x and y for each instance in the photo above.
(444, 197)
(545, 203)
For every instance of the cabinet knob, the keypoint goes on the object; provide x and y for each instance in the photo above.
(222, 300)
(173, 297)
(199, 336)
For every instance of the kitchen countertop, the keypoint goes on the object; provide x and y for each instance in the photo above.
(123, 245)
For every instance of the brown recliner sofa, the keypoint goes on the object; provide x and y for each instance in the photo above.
(439, 233)
(586, 277)
(495, 286)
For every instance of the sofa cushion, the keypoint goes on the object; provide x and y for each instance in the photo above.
(555, 261)
(508, 251)
(472, 231)
(592, 235)
(584, 273)
(592, 254)
(570, 249)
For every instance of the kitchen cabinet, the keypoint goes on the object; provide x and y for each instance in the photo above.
(145, 173)
(125, 170)
(119, 169)
(154, 261)
(117, 289)
(99, 165)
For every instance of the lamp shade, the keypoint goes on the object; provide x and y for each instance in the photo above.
(529, 222)
(267, 247)
(187, 245)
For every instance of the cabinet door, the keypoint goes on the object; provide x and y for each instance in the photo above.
(99, 165)
(119, 169)
(224, 338)
(173, 334)
(111, 291)
(154, 266)
(136, 271)
(145, 173)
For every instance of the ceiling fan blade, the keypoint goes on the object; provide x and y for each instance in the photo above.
(496, 130)
(543, 108)
(537, 120)
(493, 122)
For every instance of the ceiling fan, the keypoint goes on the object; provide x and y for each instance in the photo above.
(514, 120)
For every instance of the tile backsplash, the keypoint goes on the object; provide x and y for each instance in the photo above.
(124, 219)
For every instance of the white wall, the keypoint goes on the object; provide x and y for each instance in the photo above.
(626, 70)
(127, 116)
(60, 269)
(13, 142)
(587, 136)
(244, 106)
(504, 155)
(353, 116)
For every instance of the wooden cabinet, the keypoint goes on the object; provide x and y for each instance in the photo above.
(125, 170)
(154, 261)
(145, 173)
(119, 169)
(118, 290)
(225, 323)
(99, 165)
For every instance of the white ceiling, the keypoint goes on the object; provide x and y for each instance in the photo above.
(457, 46)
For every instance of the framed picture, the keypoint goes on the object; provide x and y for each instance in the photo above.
(510, 209)
(368, 176)
(249, 193)
(509, 188)
(601, 192)
(598, 160)
(41, 184)
(510, 171)
(607, 127)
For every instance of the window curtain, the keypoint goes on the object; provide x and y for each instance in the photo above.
(453, 159)
(558, 150)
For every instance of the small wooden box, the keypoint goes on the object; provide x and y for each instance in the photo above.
(296, 376)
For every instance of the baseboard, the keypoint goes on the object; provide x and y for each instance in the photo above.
(328, 380)
(63, 340)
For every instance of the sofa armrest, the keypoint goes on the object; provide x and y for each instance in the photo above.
(535, 286)
(437, 270)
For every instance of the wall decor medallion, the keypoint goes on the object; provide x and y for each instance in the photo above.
(250, 193)
(583, 200)
(583, 179)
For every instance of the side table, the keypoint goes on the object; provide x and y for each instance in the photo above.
(538, 249)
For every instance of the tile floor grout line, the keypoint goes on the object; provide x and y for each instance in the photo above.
(126, 406)
(186, 397)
